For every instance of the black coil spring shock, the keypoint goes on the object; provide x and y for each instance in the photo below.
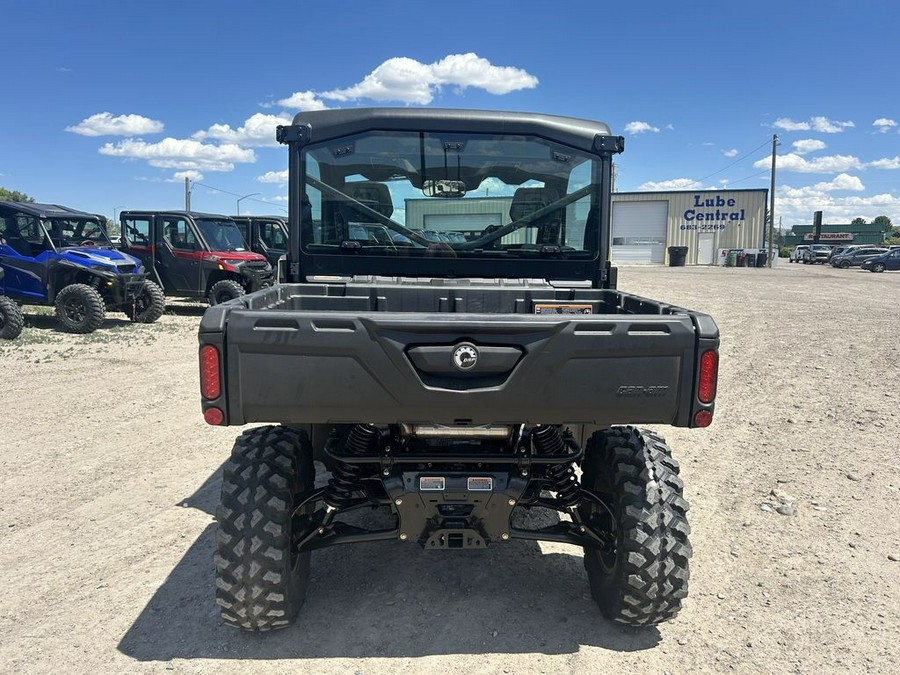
(548, 441)
(362, 440)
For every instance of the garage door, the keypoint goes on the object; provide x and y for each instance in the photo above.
(639, 232)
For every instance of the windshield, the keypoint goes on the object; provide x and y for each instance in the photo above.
(455, 195)
(72, 232)
(221, 235)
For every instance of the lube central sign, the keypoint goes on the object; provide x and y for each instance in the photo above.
(712, 213)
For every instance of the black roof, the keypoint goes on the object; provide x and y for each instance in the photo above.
(173, 212)
(48, 210)
(328, 124)
(258, 217)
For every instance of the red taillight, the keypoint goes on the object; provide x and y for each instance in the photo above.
(210, 385)
(703, 418)
(213, 416)
(709, 376)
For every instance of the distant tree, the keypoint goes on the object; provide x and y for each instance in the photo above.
(884, 222)
(14, 196)
(858, 221)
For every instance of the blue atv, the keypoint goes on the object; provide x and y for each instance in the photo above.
(53, 255)
(10, 316)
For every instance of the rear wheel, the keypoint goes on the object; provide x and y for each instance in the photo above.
(642, 580)
(223, 291)
(260, 579)
(80, 308)
(149, 305)
(11, 320)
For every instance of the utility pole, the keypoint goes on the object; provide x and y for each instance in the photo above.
(772, 205)
(187, 193)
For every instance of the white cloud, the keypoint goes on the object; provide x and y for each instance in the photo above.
(788, 124)
(818, 123)
(794, 162)
(179, 176)
(105, 124)
(884, 125)
(808, 145)
(730, 153)
(258, 130)
(276, 177)
(886, 163)
(192, 165)
(409, 81)
(827, 126)
(301, 101)
(674, 184)
(637, 127)
(184, 154)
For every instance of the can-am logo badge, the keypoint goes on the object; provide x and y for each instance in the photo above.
(465, 357)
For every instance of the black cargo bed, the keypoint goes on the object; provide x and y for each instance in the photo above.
(382, 353)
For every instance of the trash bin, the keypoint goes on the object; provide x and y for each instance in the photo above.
(731, 260)
(741, 258)
(677, 256)
(761, 258)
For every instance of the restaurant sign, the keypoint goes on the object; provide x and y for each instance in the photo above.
(829, 236)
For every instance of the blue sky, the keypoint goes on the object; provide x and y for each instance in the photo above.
(108, 106)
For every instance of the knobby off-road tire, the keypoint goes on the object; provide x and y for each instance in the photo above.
(223, 291)
(11, 320)
(149, 305)
(260, 582)
(643, 582)
(80, 308)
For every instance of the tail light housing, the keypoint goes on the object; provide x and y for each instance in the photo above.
(709, 376)
(210, 381)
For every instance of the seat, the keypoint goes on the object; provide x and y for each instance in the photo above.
(375, 196)
(551, 226)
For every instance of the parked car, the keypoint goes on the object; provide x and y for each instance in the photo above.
(797, 253)
(842, 249)
(816, 253)
(857, 256)
(885, 261)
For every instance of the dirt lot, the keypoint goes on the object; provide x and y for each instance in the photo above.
(109, 478)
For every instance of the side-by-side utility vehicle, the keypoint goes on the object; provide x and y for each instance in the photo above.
(454, 382)
(11, 319)
(54, 255)
(194, 255)
(267, 235)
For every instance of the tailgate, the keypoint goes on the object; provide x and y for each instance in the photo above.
(311, 367)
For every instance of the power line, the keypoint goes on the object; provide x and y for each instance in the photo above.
(234, 194)
(739, 159)
(740, 180)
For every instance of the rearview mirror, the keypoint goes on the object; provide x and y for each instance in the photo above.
(444, 188)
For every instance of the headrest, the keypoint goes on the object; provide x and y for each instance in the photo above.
(526, 201)
(372, 194)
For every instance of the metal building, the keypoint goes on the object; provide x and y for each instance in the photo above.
(644, 224)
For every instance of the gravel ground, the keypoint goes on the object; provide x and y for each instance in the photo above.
(109, 478)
